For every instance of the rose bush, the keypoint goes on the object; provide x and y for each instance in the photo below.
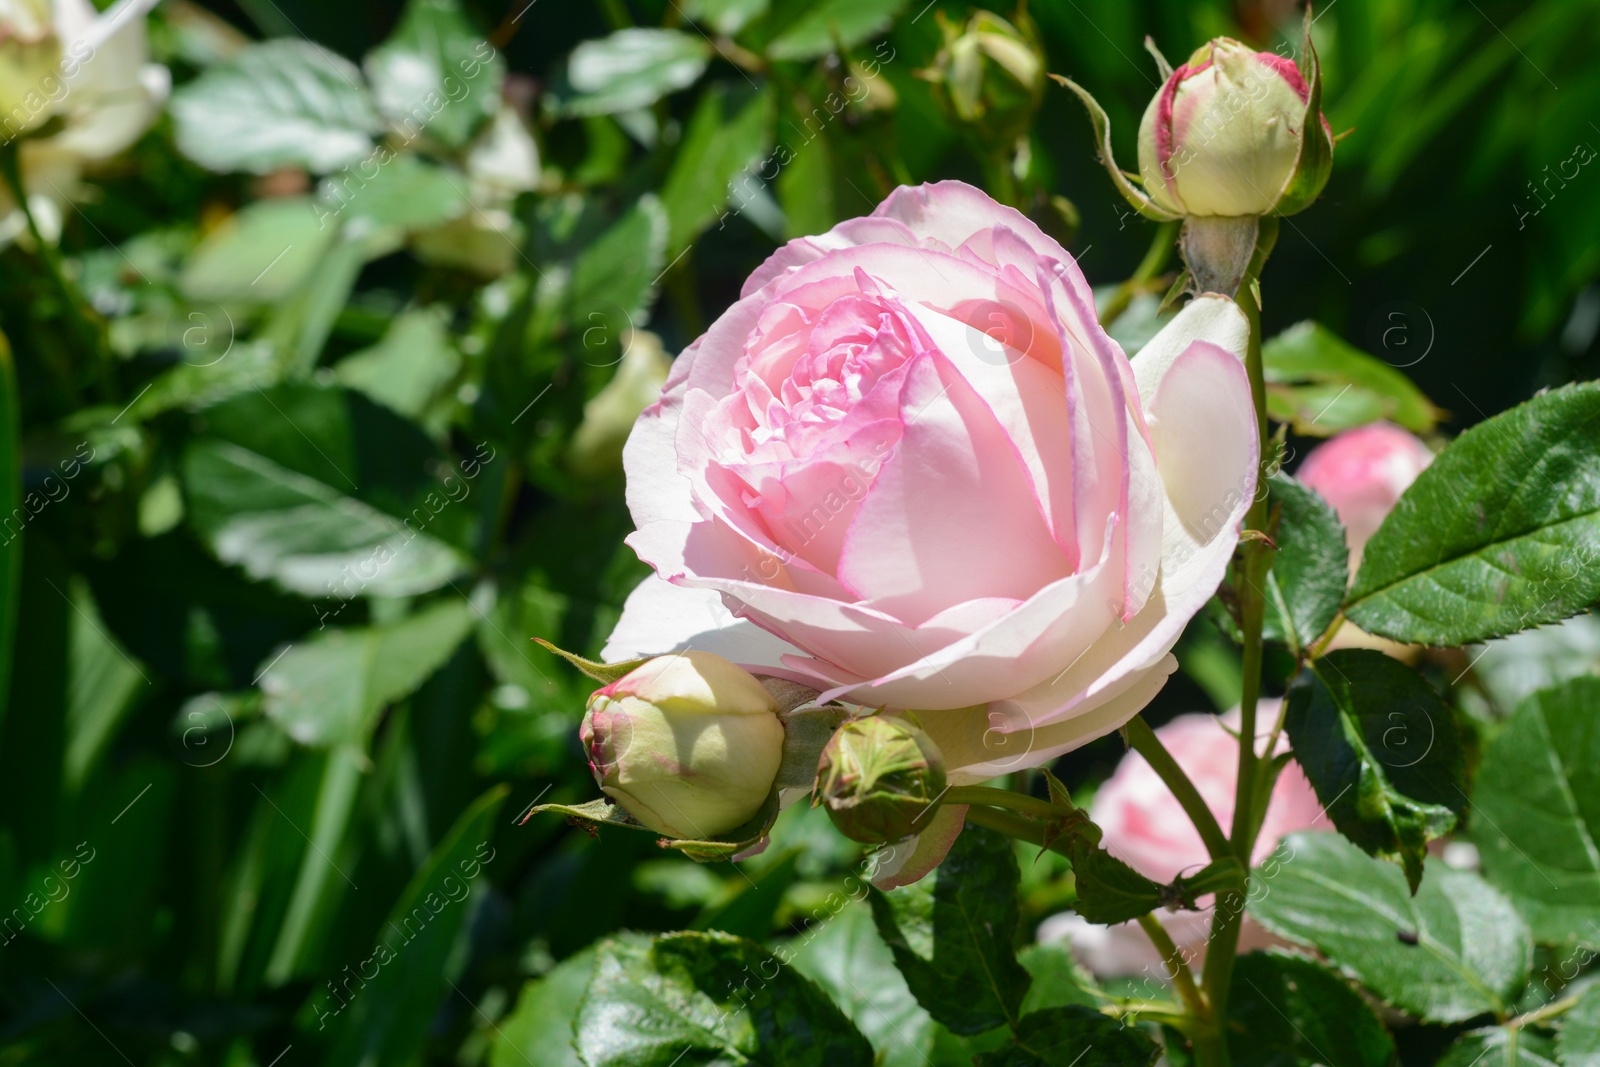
(909, 468)
(1146, 826)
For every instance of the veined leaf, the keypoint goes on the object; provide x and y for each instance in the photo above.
(1311, 568)
(331, 687)
(436, 73)
(1499, 534)
(632, 68)
(1073, 1035)
(279, 103)
(1538, 795)
(1381, 750)
(1287, 1010)
(951, 934)
(1501, 1046)
(652, 1000)
(1320, 385)
(1455, 950)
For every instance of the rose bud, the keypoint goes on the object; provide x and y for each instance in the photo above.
(879, 777)
(989, 77)
(688, 743)
(1362, 473)
(1224, 136)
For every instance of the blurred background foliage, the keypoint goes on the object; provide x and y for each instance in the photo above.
(262, 751)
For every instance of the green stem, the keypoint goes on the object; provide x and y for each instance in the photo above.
(616, 14)
(998, 176)
(1539, 1015)
(91, 336)
(1153, 263)
(1255, 558)
(1177, 967)
(10, 500)
(1017, 826)
(1144, 741)
(989, 796)
(1025, 829)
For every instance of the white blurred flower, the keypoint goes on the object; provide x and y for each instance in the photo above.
(92, 72)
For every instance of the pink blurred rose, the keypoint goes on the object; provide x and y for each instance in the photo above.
(909, 468)
(1362, 473)
(1146, 827)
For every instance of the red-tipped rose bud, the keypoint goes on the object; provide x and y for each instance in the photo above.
(878, 778)
(688, 743)
(1223, 137)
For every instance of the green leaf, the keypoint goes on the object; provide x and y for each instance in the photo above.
(1058, 979)
(233, 367)
(419, 953)
(604, 673)
(320, 882)
(436, 73)
(330, 687)
(1073, 1035)
(1578, 1042)
(409, 369)
(718, 143)
(847, 958)
(725, 16)
(631, 69)
(1110, 891)
(276, 104)
(653, 1001)
(403, 192)
(1321, 385)
(1455, 950)
(613, 279)
(952, 932)
(539, 1028)
(324, 492)
(1287, 1010)
(1311, 568)
(259, 255)
(807, 29)
(1498, 535)
(1537, 812)
(1382, 752)
(103, 684)
(1500, 1046)
(1133, 193)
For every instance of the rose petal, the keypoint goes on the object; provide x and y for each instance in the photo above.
(659, 617)
(982, 743)
(952, 516)
(907, 861)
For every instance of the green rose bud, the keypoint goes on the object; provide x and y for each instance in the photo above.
(1223, 137)
(989, 77)
(689, 744)
(879, 777)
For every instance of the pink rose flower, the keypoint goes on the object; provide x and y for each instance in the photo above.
(1147, 828)
(910, 469)
(1362, 473)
